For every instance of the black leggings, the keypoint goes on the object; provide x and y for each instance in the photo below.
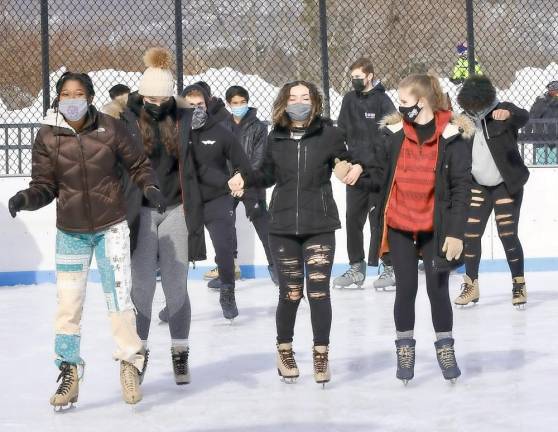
(506, 208)
(294, 258)
(404, 256)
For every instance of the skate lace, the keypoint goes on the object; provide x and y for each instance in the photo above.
(446, 356)
(128, 374)
(467, 289)
(320, 362)
(406, 355)
(287, 358)
(66, 377)
(387, 273)
(518, 290)
(353, 271)
(180, 362)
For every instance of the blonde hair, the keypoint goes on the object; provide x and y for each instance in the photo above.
(426, 86)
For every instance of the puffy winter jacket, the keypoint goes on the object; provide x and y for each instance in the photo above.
(302, 201)
(81, 170)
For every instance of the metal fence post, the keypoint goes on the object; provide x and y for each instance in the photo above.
(179, 51)
(45, 56)
(470, 37)
(325, 55)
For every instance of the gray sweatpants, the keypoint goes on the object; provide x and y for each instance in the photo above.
(164, 236)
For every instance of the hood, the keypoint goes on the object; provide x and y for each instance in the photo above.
(459, 124)
(116, 107)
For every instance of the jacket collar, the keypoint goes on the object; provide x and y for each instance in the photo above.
(60, 127)
(459, 124)
(317, 125)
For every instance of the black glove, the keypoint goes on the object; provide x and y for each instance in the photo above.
(156, 198)
(16, 203)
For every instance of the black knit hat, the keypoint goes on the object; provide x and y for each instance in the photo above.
(476, 94)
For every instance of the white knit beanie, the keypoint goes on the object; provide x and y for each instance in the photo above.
(157, 80)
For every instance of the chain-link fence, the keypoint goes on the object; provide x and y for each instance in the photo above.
(263, 44)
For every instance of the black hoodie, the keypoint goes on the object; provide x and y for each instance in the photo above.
(213, 145)
(359, 117)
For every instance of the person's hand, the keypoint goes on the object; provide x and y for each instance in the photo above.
(16, 203)
(236, 183)
(501, 114)
(341, 169)
(156, 198)
(453, 248)
(353, 175)
(238, 194)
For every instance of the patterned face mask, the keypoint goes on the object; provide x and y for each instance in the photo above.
(199, 117)
(73, 109)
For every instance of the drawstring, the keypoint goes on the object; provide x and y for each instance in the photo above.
(485, 127)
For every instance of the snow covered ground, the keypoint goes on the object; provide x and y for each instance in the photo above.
(508, 360)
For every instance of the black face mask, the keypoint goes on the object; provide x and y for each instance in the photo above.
(159, 112)
(410, 113)
(358, 84)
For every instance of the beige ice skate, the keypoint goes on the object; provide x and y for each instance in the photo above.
(469, 292)
(519, 296)
(286, 364)
(130, 383)
(322, 374)
(67, 392)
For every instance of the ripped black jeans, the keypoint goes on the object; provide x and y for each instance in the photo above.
(506, 209)
(296, 258)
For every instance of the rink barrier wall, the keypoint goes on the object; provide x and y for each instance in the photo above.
(261, 272)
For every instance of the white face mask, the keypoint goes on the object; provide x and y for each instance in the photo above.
(73, 109)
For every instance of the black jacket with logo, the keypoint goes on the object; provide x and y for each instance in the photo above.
(359, 117)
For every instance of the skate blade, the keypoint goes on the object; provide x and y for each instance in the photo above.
(289, 380)
(453, 381)
(61, 409)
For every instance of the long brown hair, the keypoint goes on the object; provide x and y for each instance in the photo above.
(279, 116)
(167, 130)
(426, 86)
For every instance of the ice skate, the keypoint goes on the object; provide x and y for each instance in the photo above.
(322, 374)
(446, 359)
(286, 364)
(180, 365)
(405, 349)
(386, 278)
(211, 274)
(355, 275)
(228, 303)
(67, 393)
(469, 292)
(130, 383)
(215, 284)
(519, 293)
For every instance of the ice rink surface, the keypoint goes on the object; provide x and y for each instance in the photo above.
(509, 361)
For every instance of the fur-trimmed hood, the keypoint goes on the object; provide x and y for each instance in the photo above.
(459, 124)
(116, 107)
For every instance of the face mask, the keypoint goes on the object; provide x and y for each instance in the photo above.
(73, 109)
(199, 117)
(410, 113)
(299, 111)
(240, 111)
(158, 112)
(358, 84)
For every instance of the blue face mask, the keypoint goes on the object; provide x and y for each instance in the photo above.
(240, 111)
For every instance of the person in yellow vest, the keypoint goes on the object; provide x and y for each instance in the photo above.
(461, 69)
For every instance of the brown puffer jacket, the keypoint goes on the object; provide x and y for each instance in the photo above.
(81, 170)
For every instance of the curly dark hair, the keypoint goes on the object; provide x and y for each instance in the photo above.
(476, 94)
(280, 117)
